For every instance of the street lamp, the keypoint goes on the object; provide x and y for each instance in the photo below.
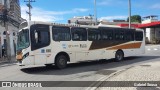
(129, 5)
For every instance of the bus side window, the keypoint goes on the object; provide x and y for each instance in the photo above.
(107, 34)
(138, 35)
(79, 34)
(61, 33)
(94, 34)
(40, 36)
(119, 34)
(129, 35)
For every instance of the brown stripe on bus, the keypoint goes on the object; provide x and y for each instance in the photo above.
(126, 46)
(105, 44)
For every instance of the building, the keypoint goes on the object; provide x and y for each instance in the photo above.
(14, 14)
(84, 20)
(15, 10)
(151, 26)
(121, 23)
(2, 2)
(89, 20)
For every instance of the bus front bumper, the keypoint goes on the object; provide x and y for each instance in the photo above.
(20, 63)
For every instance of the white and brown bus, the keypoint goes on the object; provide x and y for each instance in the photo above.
(41, 43)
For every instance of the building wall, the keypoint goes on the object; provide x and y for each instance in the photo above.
(148, 21)
(15, 14)
(83, 20)
(15, 9)
(148, 32)
(157, 33)
(152, 34)
(2, 2)
(13, 38)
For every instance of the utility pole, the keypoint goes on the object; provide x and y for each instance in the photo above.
(129, 5)
(95, 12)
(91, 17)
(29, 7)
(5, 17)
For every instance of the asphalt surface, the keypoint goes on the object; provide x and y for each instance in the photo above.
(86, 71)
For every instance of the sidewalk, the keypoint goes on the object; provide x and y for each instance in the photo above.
(4, 60)
(145, 72)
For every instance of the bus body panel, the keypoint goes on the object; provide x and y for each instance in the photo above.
(30, 60)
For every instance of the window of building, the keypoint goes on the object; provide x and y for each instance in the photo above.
(94, 34)
(14, 34)
(79, 34)
(4, 33)
(138, 35)
(61, 33)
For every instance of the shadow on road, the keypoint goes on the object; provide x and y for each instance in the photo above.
(75, 68)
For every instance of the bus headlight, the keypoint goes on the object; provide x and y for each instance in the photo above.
(26, 55)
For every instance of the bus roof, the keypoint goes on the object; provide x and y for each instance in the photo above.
(75, 25)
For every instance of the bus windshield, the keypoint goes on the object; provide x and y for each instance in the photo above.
(23, 39)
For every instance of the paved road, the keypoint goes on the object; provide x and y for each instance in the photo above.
(87, 71)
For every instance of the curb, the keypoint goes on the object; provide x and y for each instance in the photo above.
(95, 85)
(7, 63)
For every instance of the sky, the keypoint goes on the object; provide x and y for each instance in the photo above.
(61, 11)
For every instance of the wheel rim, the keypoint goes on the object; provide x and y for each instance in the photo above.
(119, 56)
(62, 61)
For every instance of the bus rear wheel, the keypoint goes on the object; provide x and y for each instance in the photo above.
(61, 61)
(119, 56)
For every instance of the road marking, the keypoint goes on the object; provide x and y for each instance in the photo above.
(155, 49)
(148, 49)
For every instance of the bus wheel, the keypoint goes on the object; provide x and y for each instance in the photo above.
(61, 61)
(119, 56)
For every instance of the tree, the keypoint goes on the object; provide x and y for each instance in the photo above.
(135, 18)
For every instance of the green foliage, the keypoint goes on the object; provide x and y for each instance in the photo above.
(135, 18)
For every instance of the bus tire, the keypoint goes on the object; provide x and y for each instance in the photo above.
(61, 61)
(119, 56)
